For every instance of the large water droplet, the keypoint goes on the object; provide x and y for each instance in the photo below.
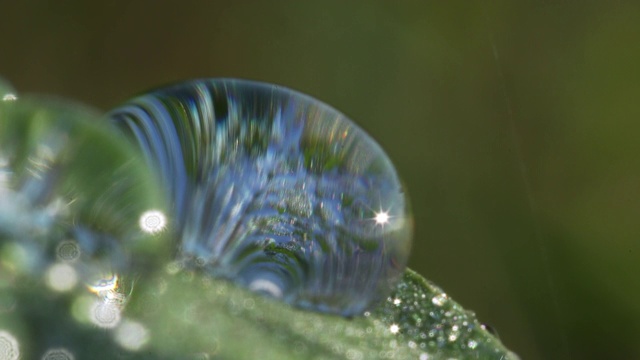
(275, 191)
(81, 219)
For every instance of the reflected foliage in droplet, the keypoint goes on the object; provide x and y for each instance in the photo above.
(275, 191)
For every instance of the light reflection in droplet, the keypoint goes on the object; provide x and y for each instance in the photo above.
(9, 97)
(266, 287)
(394, 328)
(439, 299)
(61, 277)
(104, 314)
(106, 284)
(9, 346)
(131, 335)
(58, 354)
(382, 218)
(68, 251)
(153, 221)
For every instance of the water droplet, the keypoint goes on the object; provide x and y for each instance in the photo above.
(131, 335)
(7, 93)
(58, 354)
(276, 191)
(68, 251)
(61, 277)
(71, 191)
(9, 346)
(9, 97)
(439, 299)
(104, 314)
(153, 221)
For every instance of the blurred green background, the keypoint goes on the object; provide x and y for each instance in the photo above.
(515, 125)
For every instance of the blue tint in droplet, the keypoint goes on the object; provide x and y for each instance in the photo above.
(276, 191)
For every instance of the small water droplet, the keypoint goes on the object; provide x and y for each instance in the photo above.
(58, 354)
(104, 314)
(276, 191)
(9, 346)
(153, 221)
(131, 335)
(9, 97)
(439, 299)
(68, 251)
(61, 277)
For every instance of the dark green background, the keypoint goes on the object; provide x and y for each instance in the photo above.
(515, 125)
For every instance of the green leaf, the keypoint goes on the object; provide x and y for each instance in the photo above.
(193, 314)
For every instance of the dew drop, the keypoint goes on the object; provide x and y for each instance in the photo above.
(104, 314)
(61, 277)
(439, 299)
(9, 346)
(275, 191)
(71, 191)
(58, 354)
(153, 221)
(9, 97)
(68, 251)
(131, 335)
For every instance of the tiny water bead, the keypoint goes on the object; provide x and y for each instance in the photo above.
(153, 221)
(7, 93)
(9, 346)
(58, 354)
(275, 191)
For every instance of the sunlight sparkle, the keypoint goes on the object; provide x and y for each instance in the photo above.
(153, 221)
(382, 218)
